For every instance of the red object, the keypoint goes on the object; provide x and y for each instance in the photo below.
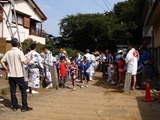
(63, 69)
(135, 53)
(120, 67)
(148, 97)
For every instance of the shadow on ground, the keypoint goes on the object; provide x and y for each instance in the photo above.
(102, 82)
(148, 110)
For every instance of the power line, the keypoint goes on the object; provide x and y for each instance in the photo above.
(99, 4)
(106, 5)
(109, 2)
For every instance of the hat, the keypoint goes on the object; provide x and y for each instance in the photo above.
(64, 51)
(87, 51)
(120, 51)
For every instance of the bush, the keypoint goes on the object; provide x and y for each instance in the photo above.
(55, 52)
(71, 52)
(27, 42)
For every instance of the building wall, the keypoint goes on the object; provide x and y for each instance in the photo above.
(37, 39)
(23, 7)
(157, 34)
(157, 43)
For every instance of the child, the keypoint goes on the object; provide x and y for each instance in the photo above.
(112, 67)
(121, 65)
(62, 72)
(86, 66)
(73, 72)
(81, 71)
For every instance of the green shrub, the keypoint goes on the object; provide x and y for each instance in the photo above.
(27, 42)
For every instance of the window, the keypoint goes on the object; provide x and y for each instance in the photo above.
(19, 19)
(26, 22)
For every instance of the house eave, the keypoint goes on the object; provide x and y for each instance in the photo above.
(37, 9)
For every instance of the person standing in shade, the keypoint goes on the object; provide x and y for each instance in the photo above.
(145, 64)
(109, 60)
(15, 60)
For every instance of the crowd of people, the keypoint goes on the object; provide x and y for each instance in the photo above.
(28, 70)
(137, 62)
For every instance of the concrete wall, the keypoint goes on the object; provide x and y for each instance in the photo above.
(23, 7)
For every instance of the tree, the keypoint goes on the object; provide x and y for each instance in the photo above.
(26, 45)
(103, 31)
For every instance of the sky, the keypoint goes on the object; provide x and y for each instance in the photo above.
(55, 10)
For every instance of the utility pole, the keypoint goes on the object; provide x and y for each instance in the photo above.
(8, 21)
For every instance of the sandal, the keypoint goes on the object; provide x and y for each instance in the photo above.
(74, 89)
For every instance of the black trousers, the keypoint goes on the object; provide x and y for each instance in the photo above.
(13, 82)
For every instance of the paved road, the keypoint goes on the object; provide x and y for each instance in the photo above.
(98, 102)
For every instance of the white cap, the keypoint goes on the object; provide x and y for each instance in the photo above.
(120, 51)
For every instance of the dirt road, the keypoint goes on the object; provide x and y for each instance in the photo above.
(101, 101)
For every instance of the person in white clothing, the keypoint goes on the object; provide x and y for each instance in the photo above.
(132, 63)
(88, 55)
(34, 69)
(90, 59)
(48, 62)
(92, 67)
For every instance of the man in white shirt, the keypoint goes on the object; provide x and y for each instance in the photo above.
(15, 60)
(132, 63)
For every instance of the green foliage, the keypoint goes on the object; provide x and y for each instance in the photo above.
(71, 52)
(103, 31)
(55, 52)
(26, 45)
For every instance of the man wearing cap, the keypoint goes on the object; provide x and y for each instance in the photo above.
(15, 60)
(119, 55)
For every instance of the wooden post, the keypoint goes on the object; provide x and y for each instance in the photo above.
(127, 85)
(54, 76)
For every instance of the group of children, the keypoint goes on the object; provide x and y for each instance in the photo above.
(74, 67)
